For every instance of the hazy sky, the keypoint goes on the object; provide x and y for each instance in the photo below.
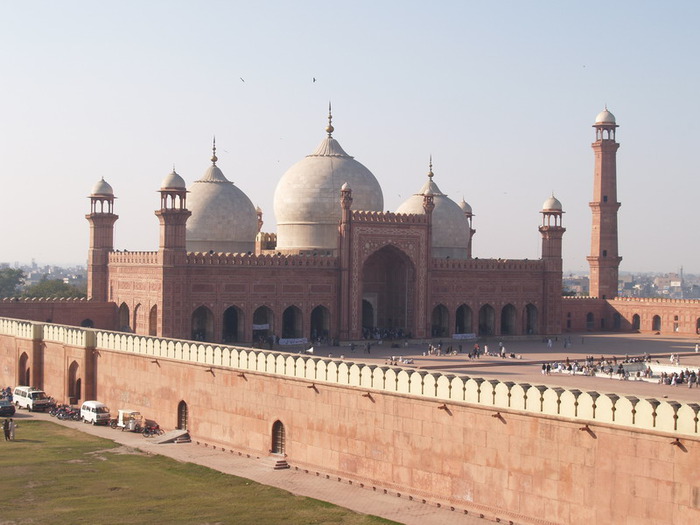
(502, 94)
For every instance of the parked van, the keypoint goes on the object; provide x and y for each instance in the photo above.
(30, 398)
(95, 412)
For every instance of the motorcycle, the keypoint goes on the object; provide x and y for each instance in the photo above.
(152, 429)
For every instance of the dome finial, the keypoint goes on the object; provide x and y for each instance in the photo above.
(430, 172)
(214, 158)
(329, 128)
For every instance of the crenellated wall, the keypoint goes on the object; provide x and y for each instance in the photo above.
(530, 453)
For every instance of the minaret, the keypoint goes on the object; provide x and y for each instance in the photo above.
(604, 260)
(173, 215)
(101, 219)
(552, 233)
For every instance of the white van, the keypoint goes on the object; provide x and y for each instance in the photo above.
(95, 412)
(30, 398)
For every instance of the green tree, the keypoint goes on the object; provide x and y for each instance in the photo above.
(10, 281)
(52, 288)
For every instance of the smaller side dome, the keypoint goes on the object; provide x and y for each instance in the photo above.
(552, 204)
(102, 188)
(345, 187)
(173, 181)
(465, 206)
(605, 117)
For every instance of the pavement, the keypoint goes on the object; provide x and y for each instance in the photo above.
(526, 367)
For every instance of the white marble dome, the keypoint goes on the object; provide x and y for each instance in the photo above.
(605, 117)
(450, 226)
(173, 181)
(223, 217)
(102, 188)
(466, 208)
(552, 204)
(307, 197)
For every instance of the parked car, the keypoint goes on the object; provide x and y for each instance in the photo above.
(7, 409)
(31, 398)
(95, 412)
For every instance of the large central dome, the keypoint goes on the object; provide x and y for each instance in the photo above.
(307, 197)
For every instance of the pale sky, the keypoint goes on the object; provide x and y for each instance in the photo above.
(501, 94)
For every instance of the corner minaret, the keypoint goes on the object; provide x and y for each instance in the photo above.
(604, 261)
(101, 219)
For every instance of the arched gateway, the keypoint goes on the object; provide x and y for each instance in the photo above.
(388, 291)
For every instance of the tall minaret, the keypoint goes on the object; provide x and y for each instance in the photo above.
(173, 215)
(604, 260)
(101, 219)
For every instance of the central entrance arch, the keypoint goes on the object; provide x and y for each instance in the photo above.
(388, 291)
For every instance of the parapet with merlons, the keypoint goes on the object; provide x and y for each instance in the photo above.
(388, 217)
(449, 390)
(244, 259)
(126, 257)
(487, 264)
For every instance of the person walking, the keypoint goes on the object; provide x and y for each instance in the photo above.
(12, 429)
(6, 429)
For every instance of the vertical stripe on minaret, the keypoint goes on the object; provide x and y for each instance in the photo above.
(604, 260)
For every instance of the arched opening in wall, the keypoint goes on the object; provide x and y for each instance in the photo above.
(153, 320)
(636, 322)
(368, 319)
(656, 323)
(135, 318)
(23, 375)
(440, 321)
(278, 438)
(182, 415)
(463, 320)
(675, 323)
(233, 325)
(320, 324)
(531, 320)
(697, 325)
(74, 383)
(388, 283)
(617, 321)
(263, 326)
(202, 324)
(508, 317)
(487, 320)
(291, 323)
(87, 323)
(124, 318)
(590, 321)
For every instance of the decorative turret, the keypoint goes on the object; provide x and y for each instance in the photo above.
(552, 233)
(173, 215)
(551, 229)
(101, 219)
(604, 260)
(467, 209)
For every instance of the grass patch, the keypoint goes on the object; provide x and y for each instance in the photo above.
(58, 475)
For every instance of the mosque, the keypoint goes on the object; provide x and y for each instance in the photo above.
(338, 268)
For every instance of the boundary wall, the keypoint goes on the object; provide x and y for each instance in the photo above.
(530, 453)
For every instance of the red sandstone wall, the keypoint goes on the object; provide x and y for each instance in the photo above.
(536, 467)
(61, 311)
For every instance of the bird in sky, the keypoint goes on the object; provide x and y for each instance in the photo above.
(241, 79)
(314, 79)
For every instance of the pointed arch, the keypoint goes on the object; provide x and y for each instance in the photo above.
(320, 323)
(508, 319)
(233, 325)
(87, 323)
(292, 326)
(487, 320)
(531, 324)
(590, 321)
(279, 438)
(636, 322)
(74, 385)
(182, 416)
(440, 321)
(153, 320)
(263, 323)
(656, 323)
(136, 322)
(463, 320)
(23, 371)
(124, 318)
(202, 324)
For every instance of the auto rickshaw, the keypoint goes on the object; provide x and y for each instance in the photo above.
(128, 420)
